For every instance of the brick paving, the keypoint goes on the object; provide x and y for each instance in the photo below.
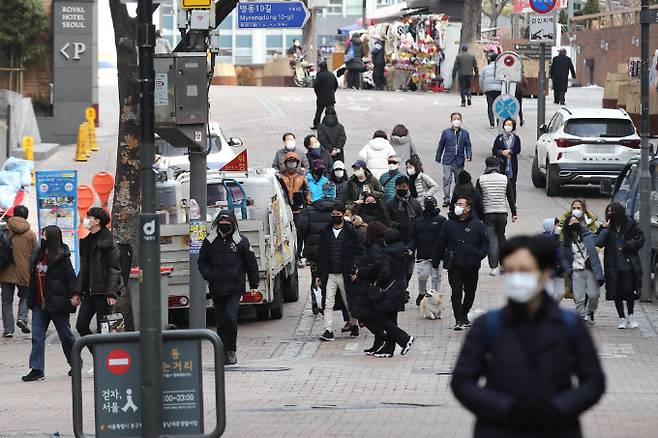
(288, 383)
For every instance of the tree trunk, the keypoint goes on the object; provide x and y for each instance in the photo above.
(309, 42)
(127, 193)
(471, 23)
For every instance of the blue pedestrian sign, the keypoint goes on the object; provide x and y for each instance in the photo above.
(505, 106)
(272, 15)
(543, 6)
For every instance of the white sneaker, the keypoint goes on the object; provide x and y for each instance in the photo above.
(632, 322)
(622, 323)
(90, 373)
(494, 272)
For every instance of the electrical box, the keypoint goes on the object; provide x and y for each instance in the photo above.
(181, 88)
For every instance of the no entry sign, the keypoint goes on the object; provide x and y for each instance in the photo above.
(118, 361)
(543, 6)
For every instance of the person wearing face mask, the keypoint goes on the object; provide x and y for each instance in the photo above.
(581, 263)
(538, 362)
(461, 246)
(319, 185)
(53, 297)
(361, 183)
(376, 152)
(389, 179)
(453, 151)
(372, 210)
(579, 210)
(100, 271)
(424, 234)
(465, 189)
(289, 145)
(507, 147)
(342, 249)
(331, 134)
(422, 185)
(339, 178)
(225, 260)
(315, 152)
(491, 86)
(402, 144)
(295, 186)
(622, 239)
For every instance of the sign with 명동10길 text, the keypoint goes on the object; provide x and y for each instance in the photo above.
(267, 15)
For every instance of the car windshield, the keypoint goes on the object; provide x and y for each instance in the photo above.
(599, 127)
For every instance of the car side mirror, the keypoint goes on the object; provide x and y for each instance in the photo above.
(543, 129)
(235, 141)
(606, 187)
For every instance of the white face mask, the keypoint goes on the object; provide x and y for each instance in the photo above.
(290, 145)
(411, 171)
(347, 218)
(339, 173)
(359, 172)
(86, 222)
(456, 123)
(459, 210)
(508, 128)
(393, 167)
(577, 213)
(520, 287)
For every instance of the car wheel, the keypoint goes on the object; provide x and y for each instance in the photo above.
(538, 180)
(552, 186)
(276, 307)
(291, 287)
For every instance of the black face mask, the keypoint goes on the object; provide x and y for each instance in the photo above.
(370, 207)
(225, 228)
(402, 192)
(430, 209)
(575, 229)
(336, 220)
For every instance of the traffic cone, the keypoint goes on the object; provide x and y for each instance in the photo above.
(80, 151)
(91, 134)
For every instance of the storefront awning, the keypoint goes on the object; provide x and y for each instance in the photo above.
(391, 13)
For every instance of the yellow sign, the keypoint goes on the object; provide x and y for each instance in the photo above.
(28, 142)
(197, 4)
(90, 113)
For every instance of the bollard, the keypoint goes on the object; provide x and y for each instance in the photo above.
(90, 115)
(28, 149)
(80, 152)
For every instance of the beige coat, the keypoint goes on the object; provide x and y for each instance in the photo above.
(23, 243)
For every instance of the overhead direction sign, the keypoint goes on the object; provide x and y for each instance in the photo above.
(543, 6)
(272, 15)
(542, 28)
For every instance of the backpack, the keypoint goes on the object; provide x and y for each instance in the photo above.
(350, 55)
(125, 260)
(6, 254)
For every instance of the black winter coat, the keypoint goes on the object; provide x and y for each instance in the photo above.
(403, 216)
(559, 72)
(633, 239)
(526, 359)
(331, 134)
(100, 264)
(477, 206)
(424, 234)
(312, 223)
(367, 275)
(224, 263)
(61, 283)
(392, 276)
(350, 254)
(325, 87)
(467, 240)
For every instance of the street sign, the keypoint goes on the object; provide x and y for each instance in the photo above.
(237, 164)
(505, 106)
(542, 28)
(508, 67)
(543, 6)
(118, 361)
(266, 15)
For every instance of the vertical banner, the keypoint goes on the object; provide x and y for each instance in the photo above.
(57, 204)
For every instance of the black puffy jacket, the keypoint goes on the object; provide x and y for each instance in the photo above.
(100, 265)
(393, 277)
(61, 283)
(349, 256)
(402, 216)
(424, 234)
(312, 223)
(467, 240)
(225, 261)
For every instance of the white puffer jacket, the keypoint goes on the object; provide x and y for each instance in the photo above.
(487, 80)
(376, 154)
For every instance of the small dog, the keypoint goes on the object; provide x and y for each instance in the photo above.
(431, 306)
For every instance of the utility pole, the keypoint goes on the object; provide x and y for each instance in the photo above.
(150, 339)
(570, 16)
(363, 14)
(541, 81)
(645, 177)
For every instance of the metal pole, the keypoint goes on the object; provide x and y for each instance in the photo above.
(198, 192)
(541, 81)
(645, 177)
(150, 339)
(570, 17)
(363, 15)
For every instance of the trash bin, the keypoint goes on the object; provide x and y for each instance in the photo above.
(133, 285)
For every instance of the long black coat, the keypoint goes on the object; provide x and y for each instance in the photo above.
(331, 134)
(368, 274)
(61, 283)
(633, 242)
(325, 87)
(392, 276)
(424, 234)
(402, 217)
(312, 223)
(467, 240)
(100, 264)
(528, 359)
(559, 72)
(497, 151)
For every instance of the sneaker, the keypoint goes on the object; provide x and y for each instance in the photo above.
(23, 326)
(347, 327)
(463, 104)
(622, 323)
(383, 354)
(7, 335)
(459, 327)
(33, 376)
(446, 204)
(375, 347)
(354, 332)
(492, 127)
(407, 347)
(419, 298)
(590, 318)
(466, 323)
(314, 128)
(494, 272)
(469, 102)
(327, 336)
(231, 358)
(632, 322)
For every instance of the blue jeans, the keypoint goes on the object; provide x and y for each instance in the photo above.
(40, 322)
(8, 305)
(450, 172)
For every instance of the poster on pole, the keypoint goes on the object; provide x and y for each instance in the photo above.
(57, 204)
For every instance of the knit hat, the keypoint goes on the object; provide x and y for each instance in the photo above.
(430, 200)
(318, 165)
(359, 164)
(339, 165)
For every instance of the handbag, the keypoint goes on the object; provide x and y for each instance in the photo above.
(449, 260)
(376, 293)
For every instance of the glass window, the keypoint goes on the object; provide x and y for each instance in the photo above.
(274, 41)
(243, 41)
(225, 42)
(599, 127)
(335, 7)
(227, 24)
(353, 7)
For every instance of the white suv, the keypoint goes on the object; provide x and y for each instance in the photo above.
(583, 146)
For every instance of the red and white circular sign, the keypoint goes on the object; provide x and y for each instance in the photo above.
(118, 361)
(509, 60)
